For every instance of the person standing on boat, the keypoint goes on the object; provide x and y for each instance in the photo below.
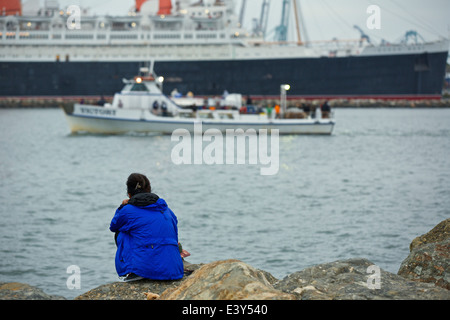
(101, 102)
(326, 109)
(146, 235)
(306, 109)
(155, 107)
(277, 111)
(269, 110)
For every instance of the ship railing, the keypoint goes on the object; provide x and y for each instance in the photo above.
(110, 36)
(339, 44)
(323, 48)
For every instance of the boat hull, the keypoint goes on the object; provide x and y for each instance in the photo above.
(415, 76)
(100, 120)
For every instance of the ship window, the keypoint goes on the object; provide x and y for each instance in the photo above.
(139, 87)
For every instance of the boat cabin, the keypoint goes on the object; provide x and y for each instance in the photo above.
(145, 92)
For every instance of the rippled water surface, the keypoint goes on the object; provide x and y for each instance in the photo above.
(379, 181)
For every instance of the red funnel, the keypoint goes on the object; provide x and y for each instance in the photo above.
(10, 7)
(139, 3)
(165, 7)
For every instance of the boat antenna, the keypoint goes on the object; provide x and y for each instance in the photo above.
(242, 13)
(152, 64)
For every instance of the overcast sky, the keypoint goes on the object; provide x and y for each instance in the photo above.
(328, 19)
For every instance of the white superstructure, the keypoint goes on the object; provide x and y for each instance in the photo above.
(207, 31)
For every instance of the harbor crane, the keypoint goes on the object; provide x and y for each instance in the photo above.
(282, 30)
(363, 35)
(414, 35)
(260, 26)
(264, 18)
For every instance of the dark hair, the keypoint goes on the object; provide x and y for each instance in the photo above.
(138, 183)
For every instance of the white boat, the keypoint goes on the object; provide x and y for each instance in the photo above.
(142, 107)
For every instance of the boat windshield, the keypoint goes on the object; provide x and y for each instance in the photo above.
(139, 87)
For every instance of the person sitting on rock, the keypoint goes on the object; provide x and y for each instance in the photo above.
(146, 235)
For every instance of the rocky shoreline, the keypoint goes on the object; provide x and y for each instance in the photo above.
(59, 102)
(423, 275)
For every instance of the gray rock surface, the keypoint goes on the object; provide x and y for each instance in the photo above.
(227, 280)
(135, 290)
(429, 259)
(353, 280)
(438, 234)
(423, 275)
(23, 291)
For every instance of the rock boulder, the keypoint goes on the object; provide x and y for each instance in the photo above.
(136, 290)
(353, 280)
(429, 259)
(227, 280)
(438, 234)
(23, 291)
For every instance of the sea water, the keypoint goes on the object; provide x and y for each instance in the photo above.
(367, 191)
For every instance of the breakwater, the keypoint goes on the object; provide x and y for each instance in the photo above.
(48, 102)
(423, 275)
(58, 102)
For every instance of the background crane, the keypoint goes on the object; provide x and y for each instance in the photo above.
(414, 35)
(282, 29)
(280, 32)
(260, 26)
(264, 18)
(363, 35)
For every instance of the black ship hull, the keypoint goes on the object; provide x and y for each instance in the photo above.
(388, 76)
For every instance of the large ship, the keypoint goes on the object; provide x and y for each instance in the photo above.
(202, 48)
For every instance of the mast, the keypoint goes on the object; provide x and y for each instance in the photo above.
(297, 22)
(242, 13)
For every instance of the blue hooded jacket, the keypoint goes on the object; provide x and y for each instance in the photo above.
(147, 243)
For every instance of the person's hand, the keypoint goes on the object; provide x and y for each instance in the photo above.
(124, 202)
